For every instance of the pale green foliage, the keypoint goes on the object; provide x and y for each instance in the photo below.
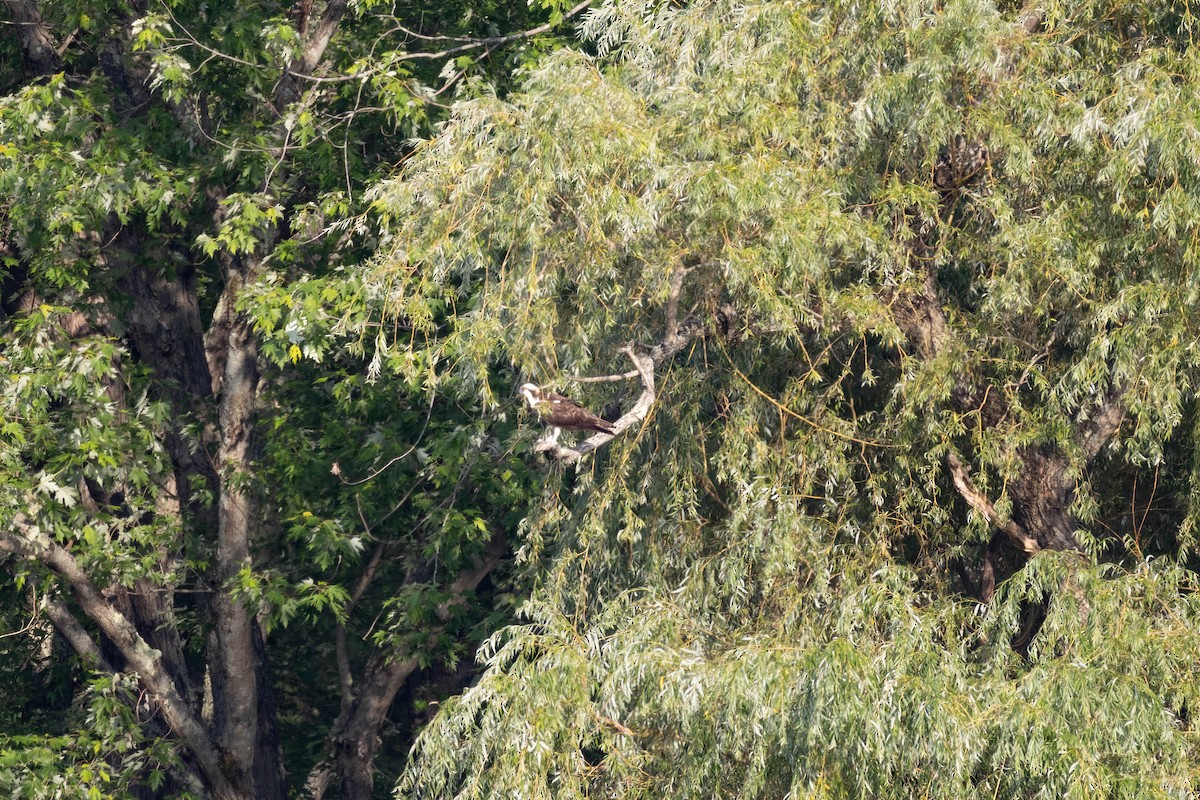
(878, 692)
(752, 595)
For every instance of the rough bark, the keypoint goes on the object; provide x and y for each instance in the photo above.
(149, 606)
(357, 737)
(38, 47)
(165, 332)
(85, 647)
(316, 40)
(163, 329)
(234, 656)
(1041, 498)
(69, 628)
(270, 779)
(243, 706)
(243, 709)
(1041, 495)
(164, 324)
(170, 337)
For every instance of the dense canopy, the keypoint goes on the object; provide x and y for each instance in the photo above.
(913, 513)
(233, 568)
(892, 308)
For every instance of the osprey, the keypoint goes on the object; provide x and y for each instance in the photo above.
(562, 413)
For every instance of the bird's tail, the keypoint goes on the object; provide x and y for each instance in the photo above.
(604, 426)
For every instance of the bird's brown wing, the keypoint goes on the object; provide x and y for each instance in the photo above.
(563, 412)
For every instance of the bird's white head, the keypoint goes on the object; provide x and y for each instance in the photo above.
(533, 393)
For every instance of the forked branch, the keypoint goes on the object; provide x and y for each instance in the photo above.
(27, 541)
(644, 368)
(676, 335)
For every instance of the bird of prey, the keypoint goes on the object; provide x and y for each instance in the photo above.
(562, 413)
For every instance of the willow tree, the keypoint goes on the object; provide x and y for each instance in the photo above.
(896, 305)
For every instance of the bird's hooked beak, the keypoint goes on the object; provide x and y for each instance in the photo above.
(532, 393)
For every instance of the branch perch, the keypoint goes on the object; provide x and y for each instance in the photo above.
(634, 416)
(677, 334)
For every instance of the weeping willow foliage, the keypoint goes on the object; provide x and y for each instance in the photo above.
(757, 593)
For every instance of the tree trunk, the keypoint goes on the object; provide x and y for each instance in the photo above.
(356, 739)
(1041, 499)
(364, 708)
(37, 45)
(237, 652)
(166, 334)
(1042, 493)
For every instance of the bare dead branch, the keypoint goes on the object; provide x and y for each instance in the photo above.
(622, 376)
(676, 335)
(609, 722)
(984, 507)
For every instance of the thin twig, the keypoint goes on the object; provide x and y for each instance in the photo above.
(23, 629)
(796, 415)
(193, 41)
(337, 470)
(496, 41)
